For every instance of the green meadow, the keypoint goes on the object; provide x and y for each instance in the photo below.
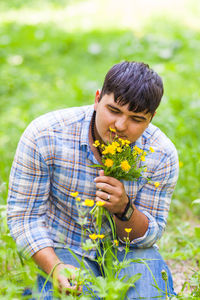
(55, 55)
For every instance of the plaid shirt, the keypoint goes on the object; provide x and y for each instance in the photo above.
(53, 159)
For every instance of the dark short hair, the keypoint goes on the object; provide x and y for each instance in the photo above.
(134, 83)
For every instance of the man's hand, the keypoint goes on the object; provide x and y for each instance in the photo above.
(117, 203)
(66, 284)
(110, 186)
(46, 259)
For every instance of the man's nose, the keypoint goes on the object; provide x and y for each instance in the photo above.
(121, 124)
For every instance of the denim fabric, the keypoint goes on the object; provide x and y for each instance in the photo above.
(144, 287)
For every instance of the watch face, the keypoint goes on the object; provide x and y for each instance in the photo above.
(129, 212)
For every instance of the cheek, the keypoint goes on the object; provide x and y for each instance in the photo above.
(137, 130)
(105, 120)
(102, 124)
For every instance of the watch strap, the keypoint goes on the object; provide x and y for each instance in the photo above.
(126, 215)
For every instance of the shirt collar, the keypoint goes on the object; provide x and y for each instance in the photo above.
(138, 142)
(86, 126)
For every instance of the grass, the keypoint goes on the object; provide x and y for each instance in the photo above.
(45, 67)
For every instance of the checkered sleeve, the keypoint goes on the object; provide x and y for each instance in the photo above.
(154, 202)
(28, 193)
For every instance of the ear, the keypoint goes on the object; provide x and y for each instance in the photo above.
(97, 98)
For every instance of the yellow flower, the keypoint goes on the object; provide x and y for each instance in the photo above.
(151, 149)
(125, 166)
(119, 149)
(96, 143)
(128, 230)
(127, 142)
(75, 194)
(100, 236)
(88, 202)
(122, 142)
(156, 184)
(142, 158)
(78, 199)
(180, 164)
(100, 203)
(134, 153)
(109, 149)
(116, 242)
(139, 151)
(93, 236)
(108, 163)
(112, 129)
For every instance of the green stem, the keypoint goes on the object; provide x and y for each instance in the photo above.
(166, 290)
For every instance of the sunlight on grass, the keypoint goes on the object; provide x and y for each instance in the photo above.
(91, 14)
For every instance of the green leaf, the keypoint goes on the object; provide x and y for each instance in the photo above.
(134, 278)
(96, 166)
(100, 285)
(88, 245)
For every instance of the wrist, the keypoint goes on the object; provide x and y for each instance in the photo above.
(127, 213)
(124, 207)
(46, 259)
(55, 267)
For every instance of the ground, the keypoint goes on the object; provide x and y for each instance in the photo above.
(181, 272)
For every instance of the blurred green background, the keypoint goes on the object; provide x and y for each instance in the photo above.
(55, 53)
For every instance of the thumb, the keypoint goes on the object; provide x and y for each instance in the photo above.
(101, 173)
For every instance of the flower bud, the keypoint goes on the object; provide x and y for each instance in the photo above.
(164, 275)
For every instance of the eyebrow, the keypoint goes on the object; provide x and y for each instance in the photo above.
(132, 116)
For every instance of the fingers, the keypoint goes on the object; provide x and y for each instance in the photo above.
(101, 173)
(63, 283)
(68, 286)
(104, 188)
(104, 195)
(107, 183)
(66, 283)
(111, 193)
(107, 179)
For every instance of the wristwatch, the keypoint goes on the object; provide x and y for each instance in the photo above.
(127, 212)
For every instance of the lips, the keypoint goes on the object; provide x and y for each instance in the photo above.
(113, 134)
(121, 136)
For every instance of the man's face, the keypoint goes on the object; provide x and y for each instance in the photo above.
(128, 125)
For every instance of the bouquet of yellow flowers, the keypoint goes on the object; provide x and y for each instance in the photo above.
(120, 160)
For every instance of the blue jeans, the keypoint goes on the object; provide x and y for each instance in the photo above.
(144, 287)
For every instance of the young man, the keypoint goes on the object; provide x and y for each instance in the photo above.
(53, 159)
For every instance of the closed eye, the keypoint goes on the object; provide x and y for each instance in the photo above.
(113, 110)
(136, 120)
